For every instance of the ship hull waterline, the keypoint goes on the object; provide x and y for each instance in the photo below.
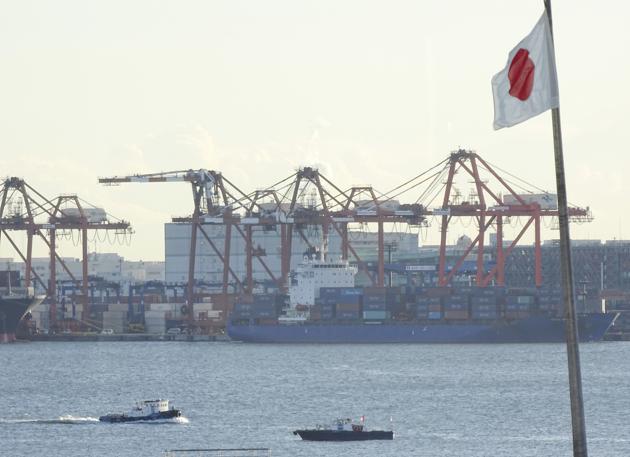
(343, 435)
(538, 329)
(162, 415)
(12, 310)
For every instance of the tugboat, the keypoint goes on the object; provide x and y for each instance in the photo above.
(344, 430)
(147, 410)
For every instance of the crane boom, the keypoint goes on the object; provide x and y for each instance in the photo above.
(194, 176)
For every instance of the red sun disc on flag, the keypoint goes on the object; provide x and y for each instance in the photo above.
(521, 75)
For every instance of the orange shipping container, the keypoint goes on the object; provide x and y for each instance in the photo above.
(348, 307)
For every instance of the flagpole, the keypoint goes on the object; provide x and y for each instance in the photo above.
(571, 327)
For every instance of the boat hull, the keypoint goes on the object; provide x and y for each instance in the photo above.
(343, 435)
(12, 310)
(538, 329)
(115, 418)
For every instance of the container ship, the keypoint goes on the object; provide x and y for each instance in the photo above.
(15, 303)
(324, 306)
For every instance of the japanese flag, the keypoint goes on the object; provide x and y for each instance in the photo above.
(528, 84)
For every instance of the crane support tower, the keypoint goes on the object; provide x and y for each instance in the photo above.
(216, 201)
(24, 209)
(490, 207)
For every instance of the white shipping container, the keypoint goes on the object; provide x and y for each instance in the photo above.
(202, 307)
(155, 312)
(94, 215)
(389, 205)
(114, 316)
(163, 306)
(546, 201)
(115, 313)
(42, 319)
(208, 315)
(117, 307)
(44, 308)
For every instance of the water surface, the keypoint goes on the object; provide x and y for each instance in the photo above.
(445, 400)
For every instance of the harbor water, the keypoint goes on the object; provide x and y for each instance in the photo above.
(445, 400)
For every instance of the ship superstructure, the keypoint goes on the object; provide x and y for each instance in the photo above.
(315, 273)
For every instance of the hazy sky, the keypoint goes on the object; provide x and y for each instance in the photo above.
(372, 92)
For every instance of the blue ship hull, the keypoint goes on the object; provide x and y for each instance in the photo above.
(538, 329)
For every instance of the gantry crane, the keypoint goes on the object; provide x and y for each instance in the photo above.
(24, 209)
(493, 201)
(333, 208)
(490, 207)
(216, 201)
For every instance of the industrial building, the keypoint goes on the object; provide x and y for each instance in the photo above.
(267, 244)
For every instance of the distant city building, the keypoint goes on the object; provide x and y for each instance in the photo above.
(106, 266)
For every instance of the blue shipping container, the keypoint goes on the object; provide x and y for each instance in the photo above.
(484, 315)
(374, 306)
(483, 300)
(517, 307)
(487, 291)
(264, 299)
(242, 307)
(373, 299)
(455, 306)
(329, 292)
(263, 313)
(348, 315)
(346, 291)
(428, 300)
(484, 307)
(459, 297)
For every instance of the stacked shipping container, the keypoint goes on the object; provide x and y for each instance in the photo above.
(259, 306)
(375, 303)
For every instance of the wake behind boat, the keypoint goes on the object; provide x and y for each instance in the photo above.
(344, 430)
(147, 410)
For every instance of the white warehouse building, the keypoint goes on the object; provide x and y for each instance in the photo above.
(209, 268)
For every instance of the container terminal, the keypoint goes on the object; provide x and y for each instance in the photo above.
(236, 247)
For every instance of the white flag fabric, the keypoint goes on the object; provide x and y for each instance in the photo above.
(528, 84)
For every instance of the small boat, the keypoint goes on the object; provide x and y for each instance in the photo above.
(344, 430)
(147, 410)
